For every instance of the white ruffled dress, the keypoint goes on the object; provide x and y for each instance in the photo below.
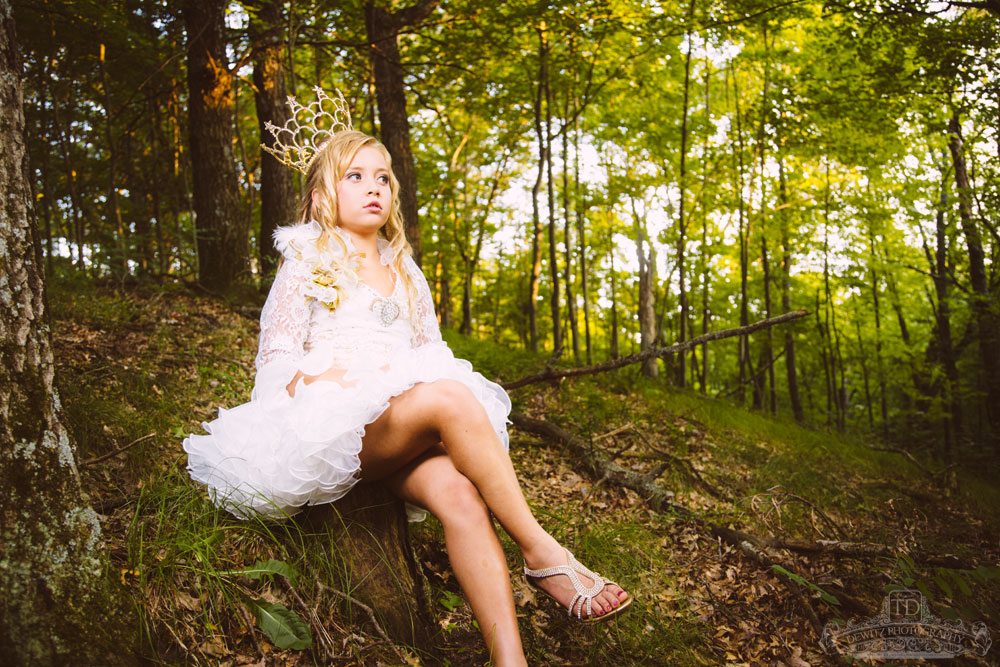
(278, 453)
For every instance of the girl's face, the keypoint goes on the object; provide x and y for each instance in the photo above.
(364, 194)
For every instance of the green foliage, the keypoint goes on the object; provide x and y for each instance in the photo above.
(801, 581)
(281, 625)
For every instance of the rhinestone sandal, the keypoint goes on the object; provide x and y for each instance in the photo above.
(584, 595)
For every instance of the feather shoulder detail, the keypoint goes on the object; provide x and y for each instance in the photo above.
(330, 267)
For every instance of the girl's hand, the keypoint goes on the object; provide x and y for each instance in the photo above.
(330, 375)
(290, 387)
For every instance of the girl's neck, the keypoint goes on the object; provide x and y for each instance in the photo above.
(363, 243)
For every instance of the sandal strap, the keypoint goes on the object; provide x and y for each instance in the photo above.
(583, 595)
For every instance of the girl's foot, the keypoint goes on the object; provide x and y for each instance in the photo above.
(563, 578)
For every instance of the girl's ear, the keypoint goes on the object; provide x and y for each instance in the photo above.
(315, 196)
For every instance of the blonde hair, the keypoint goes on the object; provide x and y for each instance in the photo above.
(327, 169)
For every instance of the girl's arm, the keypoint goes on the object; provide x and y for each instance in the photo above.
(284, 326)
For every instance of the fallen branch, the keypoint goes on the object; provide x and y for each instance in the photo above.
(927, 471)
(555, 374)
(104, 457)
(868, 550)
(597, 464)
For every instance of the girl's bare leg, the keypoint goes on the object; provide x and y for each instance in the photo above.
(446, 411)
(432, 482)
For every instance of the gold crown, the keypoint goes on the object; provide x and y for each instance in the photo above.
(298, 143)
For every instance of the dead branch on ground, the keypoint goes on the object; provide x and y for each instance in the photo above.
(555, 374)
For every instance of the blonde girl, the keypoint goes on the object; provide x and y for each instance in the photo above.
(355, 384)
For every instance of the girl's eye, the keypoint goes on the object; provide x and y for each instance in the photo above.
(354, 176)
(384, 180)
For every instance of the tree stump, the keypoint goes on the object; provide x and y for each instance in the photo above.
(368, 540)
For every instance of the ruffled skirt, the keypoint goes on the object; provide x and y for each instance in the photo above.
(277, 453)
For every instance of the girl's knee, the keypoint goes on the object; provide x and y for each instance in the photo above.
(459, 501)
(448, 399)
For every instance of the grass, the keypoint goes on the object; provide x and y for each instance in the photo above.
(161, 360)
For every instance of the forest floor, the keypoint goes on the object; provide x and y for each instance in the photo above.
(140, 368)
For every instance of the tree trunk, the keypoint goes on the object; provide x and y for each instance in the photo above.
(368, 529)
(52, 578)
(952, 424)
(221, 225)
(277, 186)
(987, 320)
(647, 281)
(681, 376)
(614, 309)
(744, 341)
(119, 264)
(557, 339)
(536, 218)
(568, 244)
(581, 239)
(383, 29)
(786, 297)
(767, 354)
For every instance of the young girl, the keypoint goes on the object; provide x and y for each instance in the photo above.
(355, 384)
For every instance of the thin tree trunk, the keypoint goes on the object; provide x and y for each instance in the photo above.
(767, 354)
(786, 296)
(647, 281)
(557, 339)
(680, 376)
(946, 349)
(568, 242)
(581, 238)
(744, 342)
(983, 307)
(879, 366)
(614, 310)
(864, 376)
(119, 265)
(536, 220)
(154, 147)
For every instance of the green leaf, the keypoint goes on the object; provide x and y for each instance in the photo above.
(450, 601)
(961, 582)
(943, 584)
(260, 569)
(948, 613)
(282, 626)
(826, 597)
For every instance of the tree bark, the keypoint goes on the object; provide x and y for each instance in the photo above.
(119, 264)
(791, 373)
(277, 187)
(222, 239)
(52, 576)
(557, 338)
(383, 28)
(368, 528)
(680, 376)
(536, 220)
(647, 281)
(987, 320)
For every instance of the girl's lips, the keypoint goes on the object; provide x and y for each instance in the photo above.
(374, 206)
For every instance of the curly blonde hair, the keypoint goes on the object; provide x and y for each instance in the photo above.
(327, 169)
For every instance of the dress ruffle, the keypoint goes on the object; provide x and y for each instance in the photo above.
(277, 453)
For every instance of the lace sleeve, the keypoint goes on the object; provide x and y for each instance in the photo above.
(284, 321)
(426, 329)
